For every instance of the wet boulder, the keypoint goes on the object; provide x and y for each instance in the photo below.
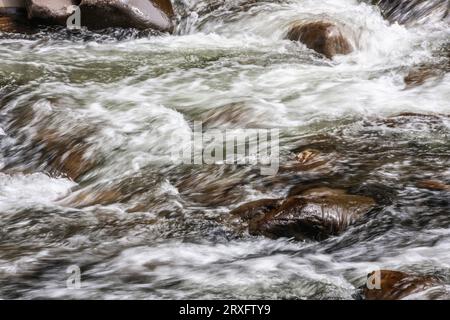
(433, 185)
(315, 214)
(323, 37)
(100, 14)
(140, 14)
(421, 74)
(396, 285)
(50, 11)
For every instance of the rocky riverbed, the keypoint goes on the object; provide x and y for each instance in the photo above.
(91, 116)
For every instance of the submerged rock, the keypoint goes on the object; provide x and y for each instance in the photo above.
(65, 153)
(434, 185)
(420, 75)
(395, 285)
(256, 209)
(323, 37)
(435, 70)
(42, 146)
(15, 24)
(100, 14)
(315, 214)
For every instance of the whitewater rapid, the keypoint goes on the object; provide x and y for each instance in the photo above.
(135, 99)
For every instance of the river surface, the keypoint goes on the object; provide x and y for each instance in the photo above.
(130, 99)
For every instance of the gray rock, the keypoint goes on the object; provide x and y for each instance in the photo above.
(100, 14)
(50, 11)
(140, 14)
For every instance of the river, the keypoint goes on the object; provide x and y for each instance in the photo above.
(162, 230)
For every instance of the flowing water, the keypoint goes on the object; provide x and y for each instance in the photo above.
(141, 226)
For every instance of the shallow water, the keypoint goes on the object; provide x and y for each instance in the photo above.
(165, 232)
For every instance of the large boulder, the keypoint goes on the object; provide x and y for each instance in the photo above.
(140, 14)
(396, 285)
(315, 214)
(323, 37)
(99, 14)
(50, 11)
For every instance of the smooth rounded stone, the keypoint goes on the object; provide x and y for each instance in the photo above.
(50, 11)
(140, 14)
(316, 214)
(65, 153)
(396, 285)
(323, 37)
(100, 14)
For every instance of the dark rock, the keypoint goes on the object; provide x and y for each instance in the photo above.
(316, 214)
(140, 14)
(50, 11)
(395, 285)
(323, 37)
(100, 14)
(65, 153)
(15, 24)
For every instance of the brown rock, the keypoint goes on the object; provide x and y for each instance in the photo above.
(65, 153)
(316, 214)
(420, 75)
(323, 37)
(395, 285)
(310, 159)
(433, 185)
(89, 197)
(100, 14)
